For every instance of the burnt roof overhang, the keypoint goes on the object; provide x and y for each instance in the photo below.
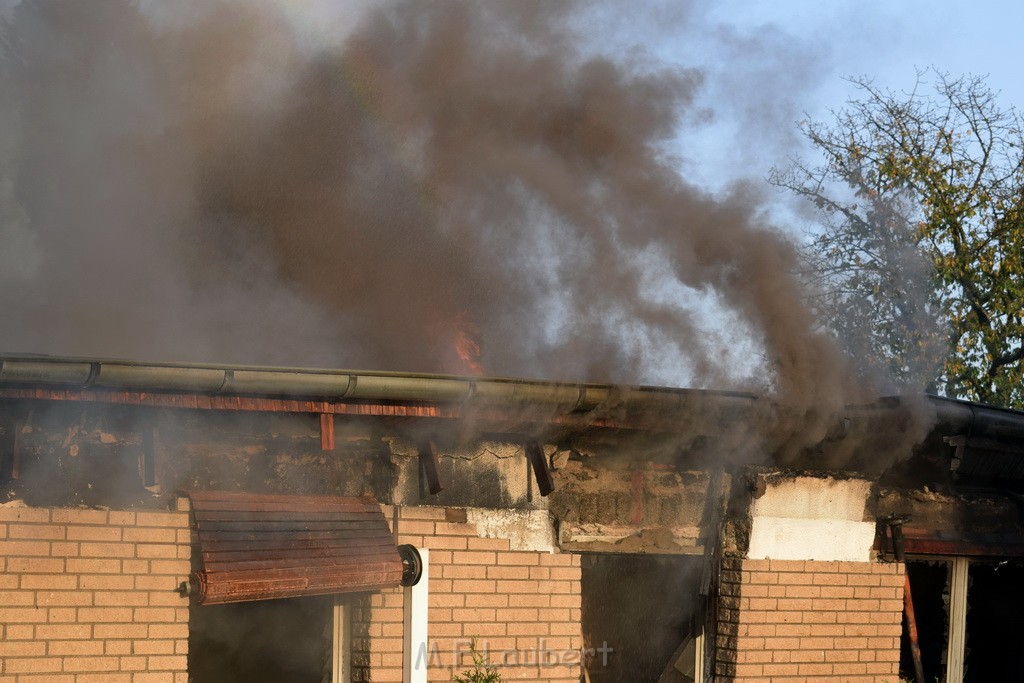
(347, 392)
(984, 429)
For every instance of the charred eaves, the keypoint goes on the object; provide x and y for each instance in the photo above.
(882, 432)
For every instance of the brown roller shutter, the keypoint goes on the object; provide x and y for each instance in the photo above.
(260, 547)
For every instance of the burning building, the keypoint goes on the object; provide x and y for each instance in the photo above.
(449, 187)
(206, 523)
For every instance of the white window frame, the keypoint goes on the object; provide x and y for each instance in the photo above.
(956, 632)
(955, 645)
(415, 618)
(341, 650)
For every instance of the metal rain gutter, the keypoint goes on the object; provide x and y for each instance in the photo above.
(345, 385)
(953, 416)
(979, 420)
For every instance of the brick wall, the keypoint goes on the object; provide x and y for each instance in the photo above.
(513, 603)
(88, 596)
(804, 621)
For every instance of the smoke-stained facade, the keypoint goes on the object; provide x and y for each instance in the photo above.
(569, 530)
(442, 188)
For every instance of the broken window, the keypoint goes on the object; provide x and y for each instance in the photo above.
(267, 574)
(641, 617)
(970, 620)
(268, 641)
(929, 584)
(995, 622)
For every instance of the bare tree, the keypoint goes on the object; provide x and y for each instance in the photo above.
(920, 255)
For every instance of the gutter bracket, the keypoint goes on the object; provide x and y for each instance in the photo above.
(430, 467)
(540, 466)
(10, 453)
(326, 431)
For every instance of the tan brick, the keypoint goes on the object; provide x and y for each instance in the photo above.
(32, 665)
(484, 629)
(473, 557)
(136, 663)
(101, 582)
(454, 529)
(22, 615)
(93, 549)
(17, 599)
(36, 531)
(558, 559)
(161, 519)
(497, 600)
(120, 631)
(64, 632)
(173, 567)
(445, 600)
(454, 571)
(24, 548)
(25, 514)
(93, 566)
(473, 586)
(21, 648)
(63, 598)
(529, 599)
(154, 614)
(64, 549)
(93, 533)
(801, 592)
(528, 629)
(787, 566)
(105, 614)
(62, 648)
(151, 535)
(158, 551)
(153, 646)
(167, 599)
(445, 542)
(523, 586)
(106, 677)
(761, 577)
(79, 516)
(121, 517)
(423, 512)
(415, 527)
(62, 615)
(488, 544)
(168, 631)
(565, 573)
(155, 677)
(122, 598)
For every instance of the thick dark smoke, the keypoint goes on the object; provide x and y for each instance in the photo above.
(200, 185)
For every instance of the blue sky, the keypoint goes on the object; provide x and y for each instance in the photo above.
(770, 63)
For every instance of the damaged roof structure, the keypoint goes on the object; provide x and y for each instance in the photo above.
(166, 522)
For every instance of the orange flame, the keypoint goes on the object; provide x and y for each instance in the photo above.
(466, 345)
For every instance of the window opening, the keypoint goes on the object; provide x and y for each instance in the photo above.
(995, 622)
(268, 641)
(642, 617)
